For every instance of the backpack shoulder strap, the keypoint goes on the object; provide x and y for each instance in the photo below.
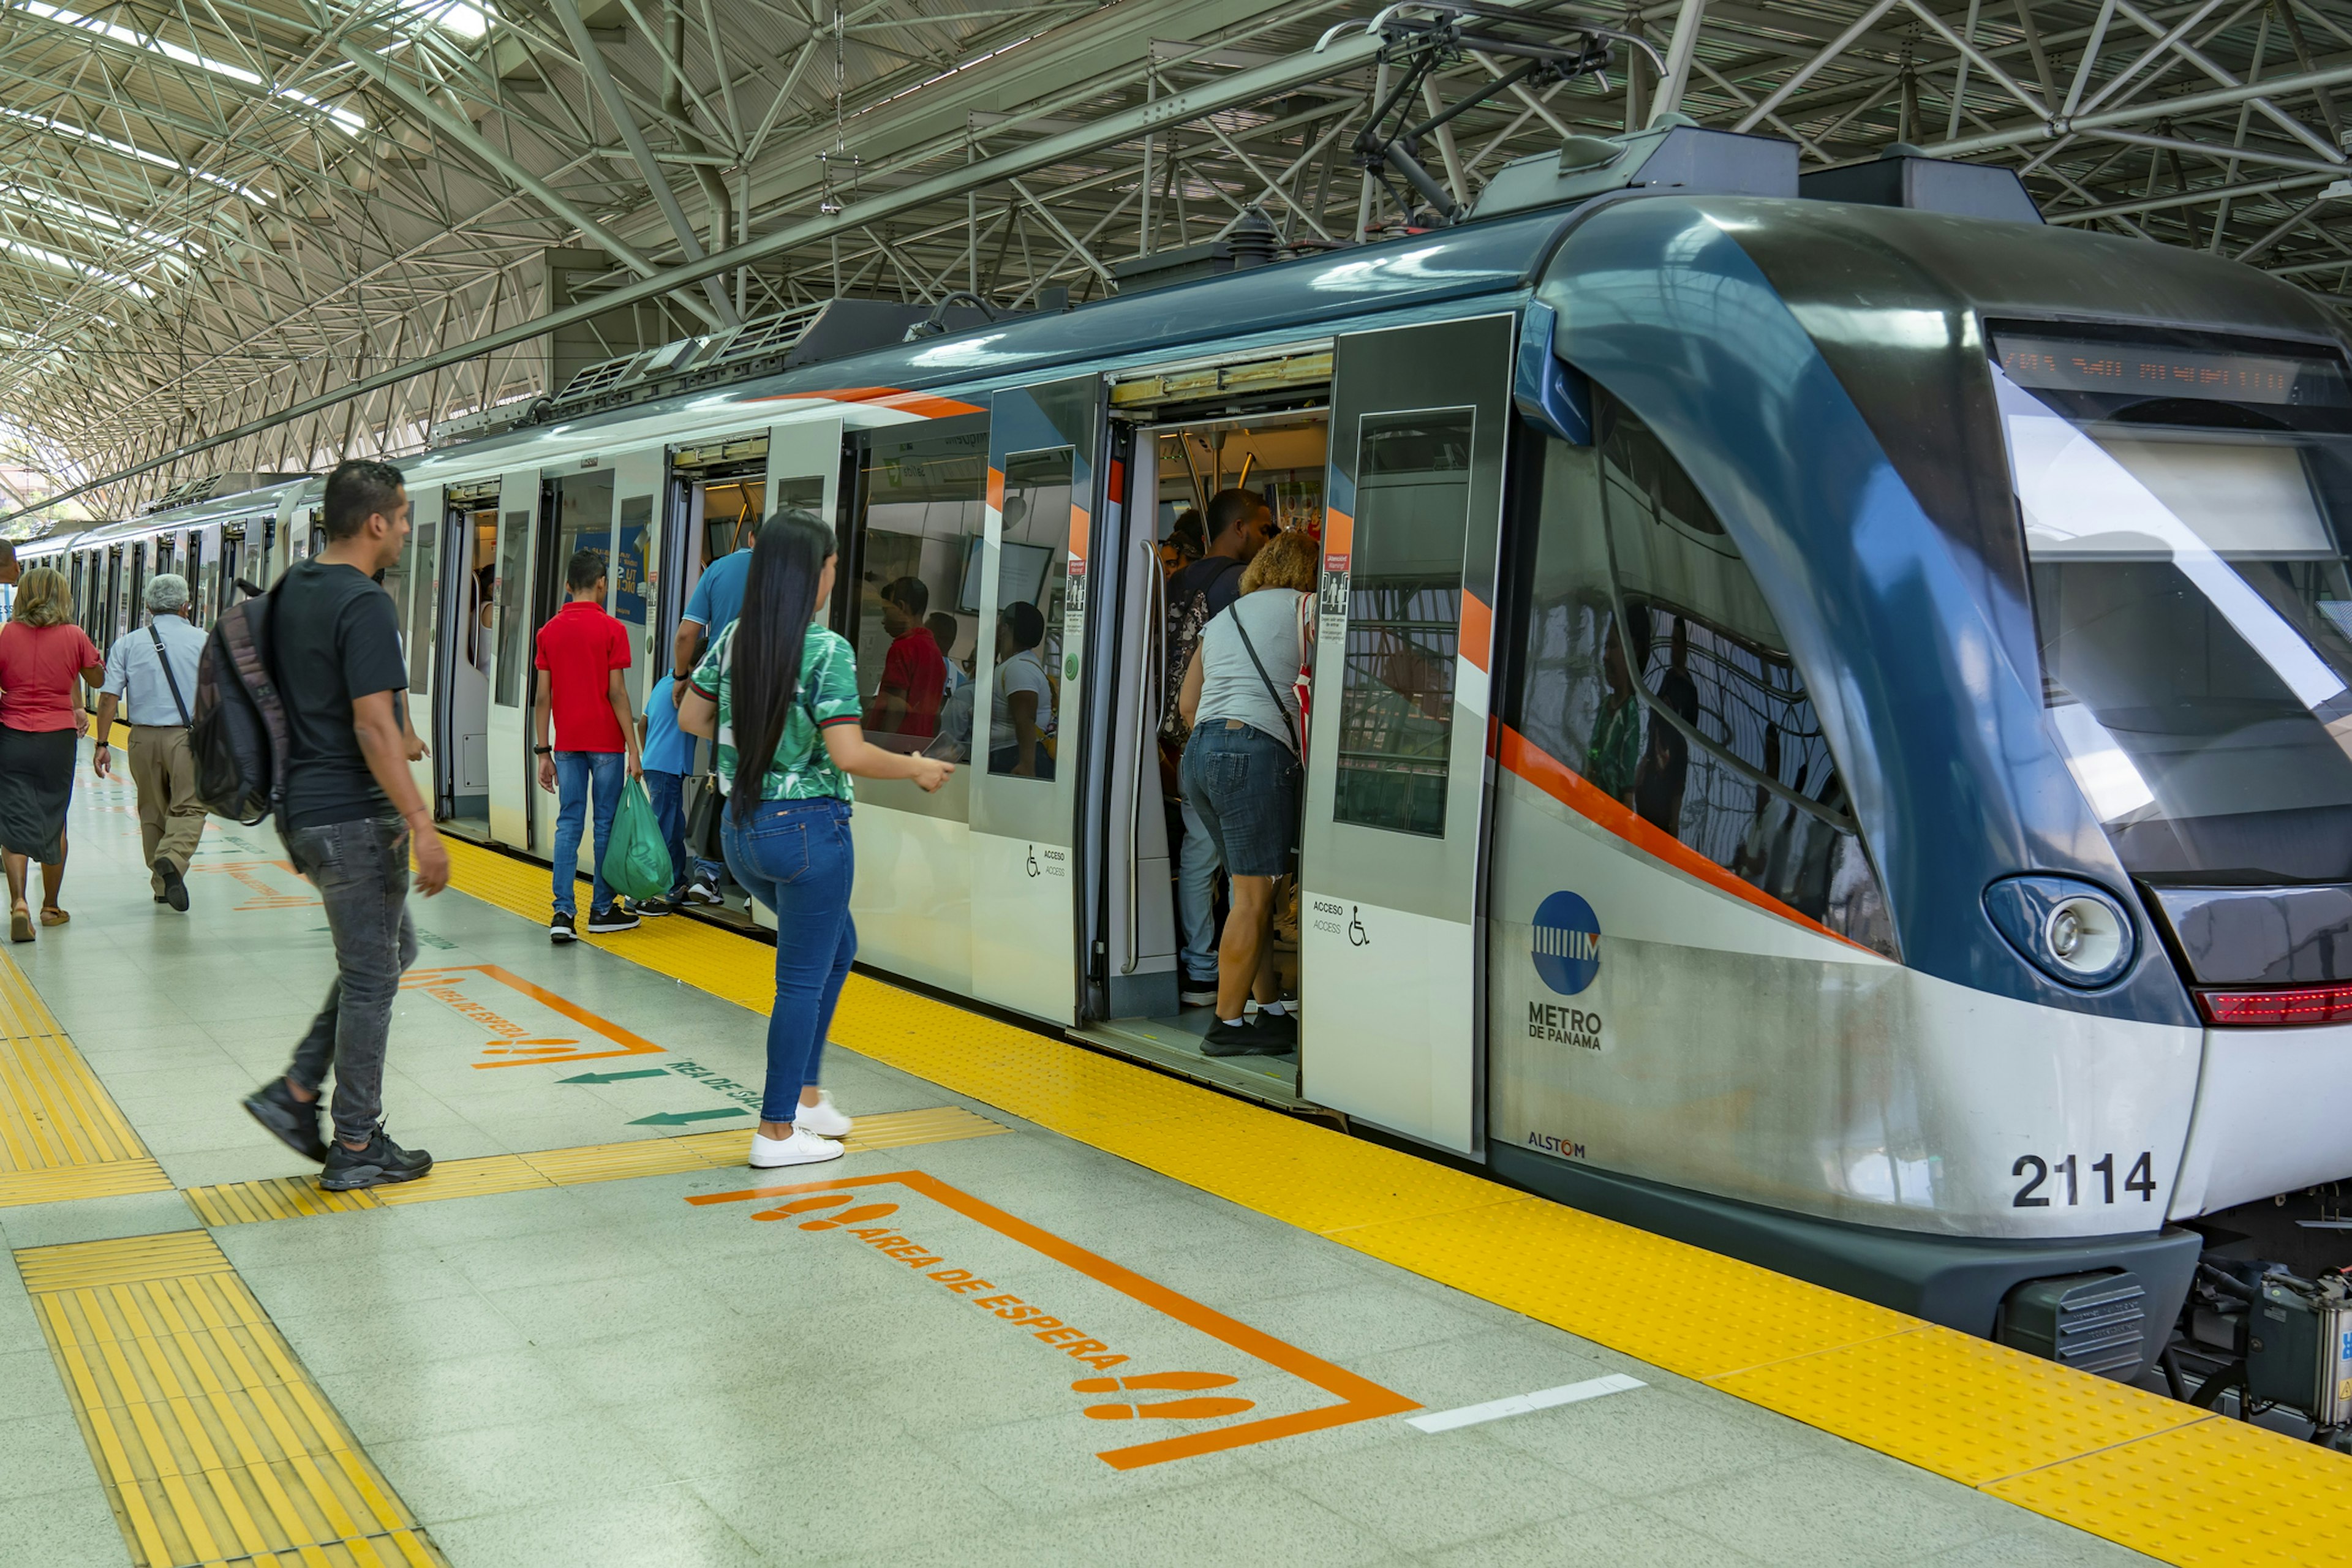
(169, 680)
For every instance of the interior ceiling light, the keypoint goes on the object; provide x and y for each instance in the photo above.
(343, 120)
(67, 128)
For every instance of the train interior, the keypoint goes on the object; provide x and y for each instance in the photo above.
(1176, 467)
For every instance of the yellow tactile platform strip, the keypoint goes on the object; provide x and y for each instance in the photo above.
(2137, 1469)
(291, 1198)
(213, 1442)
(61, 1136)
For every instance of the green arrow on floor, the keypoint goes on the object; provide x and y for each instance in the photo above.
(681, 1118)
(614, 1077)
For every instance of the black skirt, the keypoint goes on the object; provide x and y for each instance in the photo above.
(36, 769)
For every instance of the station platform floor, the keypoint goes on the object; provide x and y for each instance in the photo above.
(1053, 1307)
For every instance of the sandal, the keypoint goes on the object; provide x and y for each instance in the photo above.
(20, 926)
(53, 916)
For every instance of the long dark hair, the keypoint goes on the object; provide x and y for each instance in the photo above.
(779, 601)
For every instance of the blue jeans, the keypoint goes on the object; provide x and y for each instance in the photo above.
(796, 858)
(574, 771)
(667, 791)
(1196, 899)
(361, 870)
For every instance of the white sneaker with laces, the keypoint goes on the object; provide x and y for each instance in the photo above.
(803, 1147)
(821, 1117)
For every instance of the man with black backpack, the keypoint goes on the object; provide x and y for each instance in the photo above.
(350, 816)
(152, 672)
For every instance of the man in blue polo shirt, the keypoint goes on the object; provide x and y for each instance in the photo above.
(712, 608)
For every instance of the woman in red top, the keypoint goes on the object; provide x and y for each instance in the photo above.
(41, 651)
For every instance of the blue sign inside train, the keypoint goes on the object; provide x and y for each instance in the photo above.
(1567, 944)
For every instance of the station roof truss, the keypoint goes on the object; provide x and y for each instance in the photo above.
(217, 213)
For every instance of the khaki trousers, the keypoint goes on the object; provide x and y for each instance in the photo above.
(163, 771)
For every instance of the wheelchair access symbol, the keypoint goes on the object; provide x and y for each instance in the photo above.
(1356, 935)
(1032, 860)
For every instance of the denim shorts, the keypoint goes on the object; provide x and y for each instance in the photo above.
(1245, 785)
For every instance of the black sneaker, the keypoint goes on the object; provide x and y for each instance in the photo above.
(296, 1124)
(175, 886)
(652, 909)
(617, 918)
(702, 890)
(558, 928)
(1282, 1025)
(382, 1161)
(1250, 1038)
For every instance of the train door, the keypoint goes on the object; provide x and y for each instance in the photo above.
(579, 519)
(521, 506)
(1027, 587)
(134, 590)
(636, 546)
(415, 586)
(462, 646)
(917, 521)
(1393, 848)
(109, 615)
(167, 553)
(204, 547)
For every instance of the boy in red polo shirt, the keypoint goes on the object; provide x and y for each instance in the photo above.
(579, 656)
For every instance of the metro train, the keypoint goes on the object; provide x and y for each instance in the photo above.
(1830, 713)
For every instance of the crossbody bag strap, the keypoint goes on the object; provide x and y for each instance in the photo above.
(1251, 649)
(169, 678)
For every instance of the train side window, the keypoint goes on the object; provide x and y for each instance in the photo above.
(923, 516)
(514, 620)
(425, 548)
(1404, 615)
(1654, 669)
(1023, 733)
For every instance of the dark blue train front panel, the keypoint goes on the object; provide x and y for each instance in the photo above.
(1941, 620)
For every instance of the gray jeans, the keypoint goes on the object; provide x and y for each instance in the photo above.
(361, 870)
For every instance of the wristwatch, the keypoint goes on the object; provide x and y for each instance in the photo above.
(543, 751)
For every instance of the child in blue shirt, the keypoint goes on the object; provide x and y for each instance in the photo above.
(669, 757)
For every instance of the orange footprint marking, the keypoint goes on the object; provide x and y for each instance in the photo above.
(1163, 1409)
(828, 1222)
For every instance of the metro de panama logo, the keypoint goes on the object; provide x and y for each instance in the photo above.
(1567, 944)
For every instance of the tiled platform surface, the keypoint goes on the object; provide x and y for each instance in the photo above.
(594, 1370)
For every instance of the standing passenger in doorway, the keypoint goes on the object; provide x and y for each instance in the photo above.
(580, 656)
(668, 758)
(1239, 524)
(779, 694)
(152, 672)
(1244, 772)
(351, 820)
(711, 609)
(41, 652)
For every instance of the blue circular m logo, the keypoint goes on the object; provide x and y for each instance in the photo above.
(1567, 944)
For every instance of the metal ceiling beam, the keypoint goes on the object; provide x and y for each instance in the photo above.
(1245, 87)
(600, 76)
(474, 141)
(2177, 107)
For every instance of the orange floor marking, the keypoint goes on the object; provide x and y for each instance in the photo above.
(1361, 1398)
(517, 1043)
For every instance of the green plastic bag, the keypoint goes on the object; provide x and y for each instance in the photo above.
(636, 857)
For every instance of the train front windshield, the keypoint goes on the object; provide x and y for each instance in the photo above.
(2187, 505)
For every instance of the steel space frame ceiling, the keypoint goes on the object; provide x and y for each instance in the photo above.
(213, 213)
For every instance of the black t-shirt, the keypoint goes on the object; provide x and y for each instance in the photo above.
(336, 637)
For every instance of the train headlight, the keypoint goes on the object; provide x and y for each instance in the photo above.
(2075, 933)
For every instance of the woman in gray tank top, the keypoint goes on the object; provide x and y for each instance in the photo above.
(1242, 776)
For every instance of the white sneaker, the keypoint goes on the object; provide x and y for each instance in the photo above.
(821, 1117)
(1193, 996)
(803, 1147)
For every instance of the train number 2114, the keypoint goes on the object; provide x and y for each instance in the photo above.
(2038, 1171)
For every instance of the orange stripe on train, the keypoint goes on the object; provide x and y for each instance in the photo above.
(1539, 767)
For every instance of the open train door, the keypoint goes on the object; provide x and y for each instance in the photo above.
(1026, 582)
(418, 577)
(1394, 837)
(511, 771)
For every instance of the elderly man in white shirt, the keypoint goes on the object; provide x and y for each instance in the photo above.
(152, 672)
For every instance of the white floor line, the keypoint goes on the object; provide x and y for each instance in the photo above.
(1521, 1404)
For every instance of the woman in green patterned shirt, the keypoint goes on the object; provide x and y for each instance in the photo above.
(778, 692)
